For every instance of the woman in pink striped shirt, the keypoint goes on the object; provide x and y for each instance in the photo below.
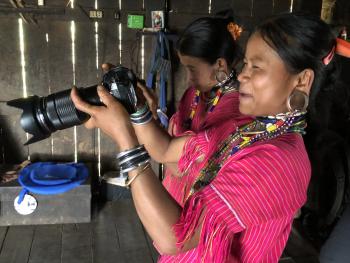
(208, 51)
(244, 181)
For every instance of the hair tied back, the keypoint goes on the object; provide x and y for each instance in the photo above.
(235, 30)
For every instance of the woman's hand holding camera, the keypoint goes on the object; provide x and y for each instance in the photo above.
(148, 96)
(143, 93)
(122, 131)
(112, 118)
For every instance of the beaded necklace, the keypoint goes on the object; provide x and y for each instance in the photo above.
(222, 88)
(261, 129)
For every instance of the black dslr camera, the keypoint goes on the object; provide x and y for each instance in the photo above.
(44, 115)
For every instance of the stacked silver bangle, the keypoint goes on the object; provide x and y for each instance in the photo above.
(132, 159)
(142, 116)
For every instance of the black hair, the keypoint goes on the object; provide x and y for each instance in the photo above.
(208, 38)
(302, 41)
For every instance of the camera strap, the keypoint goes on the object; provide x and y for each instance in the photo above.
(160, 64)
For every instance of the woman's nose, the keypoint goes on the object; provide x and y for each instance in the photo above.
(243, 76)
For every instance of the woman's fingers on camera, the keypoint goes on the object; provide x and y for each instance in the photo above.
(140, 96)
(105, 97)
(150, 97)
(112, 104)
(106, 67)
(141, 86)
(80, 104)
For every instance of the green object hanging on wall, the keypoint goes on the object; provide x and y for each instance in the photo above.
(135, 21)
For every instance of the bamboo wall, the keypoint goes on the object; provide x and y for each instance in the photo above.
(66, 47)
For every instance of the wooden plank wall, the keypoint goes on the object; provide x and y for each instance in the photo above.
(341, 15)
(49, 62)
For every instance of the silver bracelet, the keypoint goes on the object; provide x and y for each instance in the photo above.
(135, 166)
(143, 120)
(121, 154)
(133, 157)
(140, 112)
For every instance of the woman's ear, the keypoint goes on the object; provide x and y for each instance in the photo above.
(305, 79)
(221, 65)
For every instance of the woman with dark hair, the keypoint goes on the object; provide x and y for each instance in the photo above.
(243, 180)
(208, 50)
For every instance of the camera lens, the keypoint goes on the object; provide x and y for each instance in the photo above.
(61, 112)
(44, 115)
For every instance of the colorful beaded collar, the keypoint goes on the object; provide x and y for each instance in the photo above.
(220, 89)
(261, 129)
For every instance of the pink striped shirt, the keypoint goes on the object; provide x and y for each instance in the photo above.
(225, 111)
(249, 207)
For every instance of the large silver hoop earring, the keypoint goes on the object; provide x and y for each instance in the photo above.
(297, 100)
(221, 77)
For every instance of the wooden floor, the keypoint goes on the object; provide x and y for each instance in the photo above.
(115, 234)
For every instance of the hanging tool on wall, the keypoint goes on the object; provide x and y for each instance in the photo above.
(161, 65)
(160, 68)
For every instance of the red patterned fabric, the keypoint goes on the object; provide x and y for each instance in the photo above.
(225, 111)
(248, 209)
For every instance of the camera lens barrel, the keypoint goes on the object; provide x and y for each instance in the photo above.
(62, 112)
(44, 115)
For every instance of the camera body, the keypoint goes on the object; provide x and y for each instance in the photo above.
(44, 115)
(121, 82)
